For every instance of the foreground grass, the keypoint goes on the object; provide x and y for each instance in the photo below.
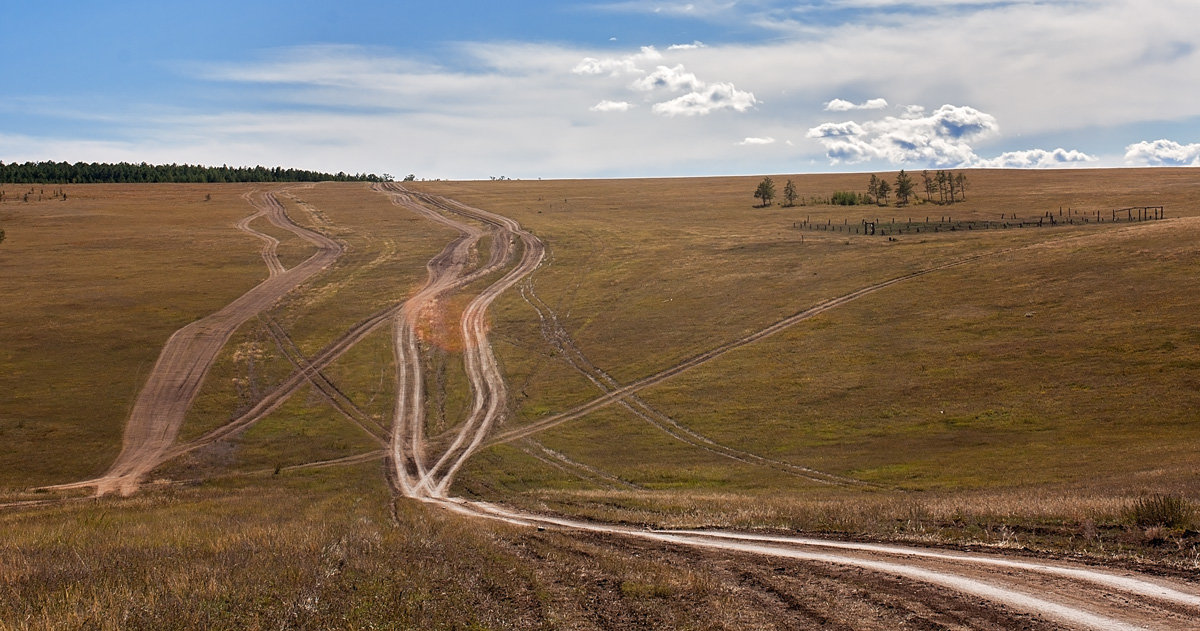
(1034, 398)
(317, 550)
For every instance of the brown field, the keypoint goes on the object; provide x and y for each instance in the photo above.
(1027, 394)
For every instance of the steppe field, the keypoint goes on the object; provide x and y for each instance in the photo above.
(601, 404)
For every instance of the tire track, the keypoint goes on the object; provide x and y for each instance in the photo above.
(332, 394)
(189, 353)
(1070, 595)
(554, 333)
(624, 392)
(489, 393)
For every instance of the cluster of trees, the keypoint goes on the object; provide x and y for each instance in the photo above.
(949, 187)
(766, 192)
(124, 172)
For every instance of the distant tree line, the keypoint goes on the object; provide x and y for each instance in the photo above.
(127, 173)
(940, 187)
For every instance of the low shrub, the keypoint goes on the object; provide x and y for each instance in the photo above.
(1171, 511)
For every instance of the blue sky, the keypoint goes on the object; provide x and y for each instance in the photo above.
(468, 90)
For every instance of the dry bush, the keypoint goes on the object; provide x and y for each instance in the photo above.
(1161, 510)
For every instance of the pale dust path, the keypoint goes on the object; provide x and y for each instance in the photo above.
(184, 361)
(1069, 595)
(447, 272)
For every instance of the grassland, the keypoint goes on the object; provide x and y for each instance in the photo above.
(1027, 398)
(1052, 382)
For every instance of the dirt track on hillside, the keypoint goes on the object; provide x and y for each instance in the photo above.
(1001, 591)
(184, 361)
(447, 272)
(1062, 594)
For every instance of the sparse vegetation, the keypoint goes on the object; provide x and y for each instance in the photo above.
(1170, 511)
(848, 198)
(1016, 401)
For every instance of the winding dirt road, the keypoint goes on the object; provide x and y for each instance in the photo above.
(447, 272)
(1066, 594)
(189, 353)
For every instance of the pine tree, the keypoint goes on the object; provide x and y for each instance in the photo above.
(789, 194)
(904, 188)
(765, 191)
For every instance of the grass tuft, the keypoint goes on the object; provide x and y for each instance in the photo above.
(1161, 510)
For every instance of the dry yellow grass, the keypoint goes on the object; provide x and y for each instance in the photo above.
(1027, 398)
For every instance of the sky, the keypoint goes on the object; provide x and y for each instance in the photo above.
(610, 88)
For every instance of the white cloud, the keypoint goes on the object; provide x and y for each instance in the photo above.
(674, 79)
(693, 46)
(1035, 66)
(939, 139)
(716, 97)
(751, 141)
(840, 105)
(611, 106)
(1163, 153)
(701, 98)
(1037, 159)
(616, 66)
(836, 130)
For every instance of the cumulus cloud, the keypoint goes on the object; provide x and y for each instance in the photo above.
(941, 138)
(693, 46)
(716, 97)
(751, 141)
(1037, 159)
(674, 79)
(1163, 152)
(840, 105)
(611, 106)
(836, 130)
(616, 66)
(701, 97)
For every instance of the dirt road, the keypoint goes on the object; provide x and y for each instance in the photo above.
(1057, 593)
(447, 272)
(184, 361)
(1064, 594)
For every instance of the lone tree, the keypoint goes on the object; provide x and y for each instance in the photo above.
(873, 188)
(765, 191)
(904, 188)
(789, 194)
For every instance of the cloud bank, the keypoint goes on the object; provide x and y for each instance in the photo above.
(1037, 159)
(939, 139)
(1163, 153)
